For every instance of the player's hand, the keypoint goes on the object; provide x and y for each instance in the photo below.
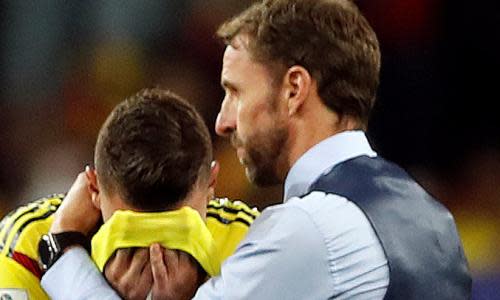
(77, 212)
(176, 275)
(129, 273)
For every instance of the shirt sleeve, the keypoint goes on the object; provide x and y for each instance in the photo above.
(283, 257)
(75, 276)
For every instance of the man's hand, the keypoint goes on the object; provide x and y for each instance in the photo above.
(77, 212)
(129, 273)
(176, 274)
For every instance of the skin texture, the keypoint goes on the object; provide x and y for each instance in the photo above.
(252, 105)
(77, 212)
(122, 272)
(272, 120)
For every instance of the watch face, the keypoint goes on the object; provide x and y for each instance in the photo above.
(51, 246)
(45, 252)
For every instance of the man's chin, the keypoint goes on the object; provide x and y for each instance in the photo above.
(261, 179)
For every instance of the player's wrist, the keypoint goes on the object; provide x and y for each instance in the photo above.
(53, 245)
(65, 228)
(62, 224)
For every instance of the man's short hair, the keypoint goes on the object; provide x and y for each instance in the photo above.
(330, 38)
(152, 150)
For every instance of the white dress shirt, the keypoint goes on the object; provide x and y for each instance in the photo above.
(317, 246)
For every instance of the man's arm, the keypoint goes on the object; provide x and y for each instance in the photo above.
(74, 275)
(283, 257)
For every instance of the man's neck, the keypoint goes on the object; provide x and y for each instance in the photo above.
(309, 132)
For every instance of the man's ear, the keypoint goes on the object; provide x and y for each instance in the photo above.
(297, 83)
(214, 173)
(93, 186)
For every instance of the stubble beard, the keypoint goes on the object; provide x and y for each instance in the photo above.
(267, 150)
(265, 153)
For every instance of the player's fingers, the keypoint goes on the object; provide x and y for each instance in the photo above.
(139, 259)
(124, 255)
(144, 284)
(147, 273)
(171, 258)
(117, 266)
(147, 277)
(132, 284)
(158, 266)
(174, 274)
(195, 271)
(184, 258)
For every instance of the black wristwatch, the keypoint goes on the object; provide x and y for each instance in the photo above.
(51, 246)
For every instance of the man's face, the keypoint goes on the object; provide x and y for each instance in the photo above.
(252, 116)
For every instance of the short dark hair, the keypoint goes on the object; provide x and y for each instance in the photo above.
(330, 38)
(152, 149)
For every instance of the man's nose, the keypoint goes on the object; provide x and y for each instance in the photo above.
(226, 120)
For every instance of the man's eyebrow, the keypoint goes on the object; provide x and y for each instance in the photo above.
(227, 85)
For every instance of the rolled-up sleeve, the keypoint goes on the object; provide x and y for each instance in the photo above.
(75, 276)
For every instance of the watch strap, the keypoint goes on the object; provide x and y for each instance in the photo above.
(66, 239)
(53, 245)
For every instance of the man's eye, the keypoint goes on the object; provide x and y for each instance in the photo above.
(231, 92)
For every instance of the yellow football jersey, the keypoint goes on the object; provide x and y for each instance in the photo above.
(21, 230)
(228, 221)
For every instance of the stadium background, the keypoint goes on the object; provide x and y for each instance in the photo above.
(65, 64)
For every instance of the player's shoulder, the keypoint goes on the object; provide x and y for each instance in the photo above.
(21, 229)
(45, 205)
(228, 211)
(228, 222)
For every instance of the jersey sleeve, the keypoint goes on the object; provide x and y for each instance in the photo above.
(229, 221)
(20, 232)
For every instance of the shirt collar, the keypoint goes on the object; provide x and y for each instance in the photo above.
(322, 157)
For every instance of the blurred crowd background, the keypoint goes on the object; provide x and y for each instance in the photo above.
(65, 64)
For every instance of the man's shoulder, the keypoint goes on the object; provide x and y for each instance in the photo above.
(328, 217)
(323, 207)
(293, 220)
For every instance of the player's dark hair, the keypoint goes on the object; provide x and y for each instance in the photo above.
(152, 149)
